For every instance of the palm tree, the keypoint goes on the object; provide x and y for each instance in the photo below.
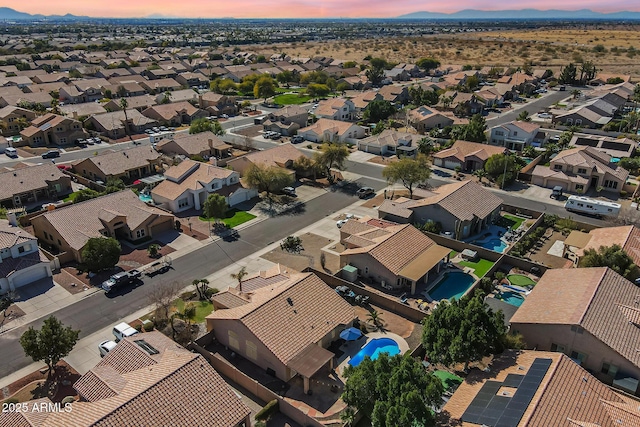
(332, 156)
(239, 276)
(124, 104)
(375, 318)
(524, 116)
(202, 285)
(188, 314)
(480, 173)
(348, 416)
(575, 93)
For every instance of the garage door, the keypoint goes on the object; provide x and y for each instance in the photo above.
(156, 229)
(551, 183)
(450, 165)
(28, 275)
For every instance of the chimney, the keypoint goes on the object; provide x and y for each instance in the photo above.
(11, 216)
(75, 115)
(200, 100)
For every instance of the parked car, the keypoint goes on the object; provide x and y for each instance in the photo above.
(51, 154)
(289, 191)
(545, 115)
(123, 330)
(276, 135)
(342, 222)
(81, 143)
(106, 346)
(120, 279)
(297, 139)
(11, 152)
(365, 192)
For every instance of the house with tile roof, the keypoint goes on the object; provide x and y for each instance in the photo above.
(128, 165)
(592, 316)
(327, 130)
(424, 118)
(587, 116)
(26, 186)
(282, 329)
(537, 389)
(120, 215)
(615, 147)
(398, 257)
(336, 109)
(156, 86)
(204, 144)
(52, 129)
(216, 104)
(174, 114)
(146, 380)
(11, 117)
(462, 208)
(116, 125)
(625, 236)
(286, 120)
(281, 156)
(362, 100)
(21, 260)
(516, 135)
(579, 169)
(138, 103)
(468, 156)
(188, 185)
(236, 296)
(390, 141)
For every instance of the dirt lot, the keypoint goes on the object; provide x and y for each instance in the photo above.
(70, 280)
(309, 257)
(19, 390)
(137, 257)
(548, 47)
(552, 261)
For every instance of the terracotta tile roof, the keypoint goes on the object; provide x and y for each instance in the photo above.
(545, 171)
(598, 299)
(270, 277)
(193, 144)
(11, 236)
(327, 125)
(169, 111)
(117, 163)
(286, 317)
(591, 158)
(173, 384)
(528, 127)
(80, 221)
(626, 236)
(227, 299)
(22, 180)
(567, 396)
(391, 138)
(8, 266)
(330, 106)
(463, 149)
(189, 175)
(277, 156)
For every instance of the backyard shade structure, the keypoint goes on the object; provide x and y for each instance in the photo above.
(309, 361)
(350, 334)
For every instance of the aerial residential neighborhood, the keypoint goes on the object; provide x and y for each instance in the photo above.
(419, 220)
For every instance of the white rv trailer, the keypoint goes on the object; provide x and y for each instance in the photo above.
(581, 204)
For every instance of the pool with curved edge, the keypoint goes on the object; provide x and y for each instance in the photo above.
(496, 245)
(453, 285)
(145, 198)
(512, 298)
(373, 349)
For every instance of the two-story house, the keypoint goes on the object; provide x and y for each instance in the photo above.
(204, 144)
(15, 119)
(128, 165)
(516, 135)
(424, 118)
(21, 261)
(216, 104)
(188, 185)
(286, 120)
(336, 109)
(52, 129)
(118, 125)
(579, 169)
(174, 114)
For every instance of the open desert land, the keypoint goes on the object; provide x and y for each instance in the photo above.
(612, 48)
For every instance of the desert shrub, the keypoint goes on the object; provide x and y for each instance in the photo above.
(514, 341)
(211, 292)
(138, 327)
(268, 410)
(148, 327)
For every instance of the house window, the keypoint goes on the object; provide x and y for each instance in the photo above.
(577, 329)
(578, 357)
(183, 203)
(366, 270)
(499, 133)
(610, 184)
(59, 129)
(515, 133)
(578, 122)
(252, 350)
(233, 340)
(59, 242)
(140, 233)
(557, 347)
(11, 119)
(21, 250)
(579, 187)
(609, 369)
(557, 167)
(582, 170)
(37, 139)
(63, 140)
(76, 126)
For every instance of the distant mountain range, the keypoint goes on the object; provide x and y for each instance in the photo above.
(6, 13)
(523, 14)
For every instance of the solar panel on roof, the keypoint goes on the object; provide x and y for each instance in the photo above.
(513, 380)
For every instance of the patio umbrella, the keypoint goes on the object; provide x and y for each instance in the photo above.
(136, 182)
(350, 334)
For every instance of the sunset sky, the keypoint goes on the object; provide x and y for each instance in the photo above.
(298, 8)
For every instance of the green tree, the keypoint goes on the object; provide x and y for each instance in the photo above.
(205, 125)
(342, 87)
(393, 391)
(202, 287)
(463, 331)
(480, 173)
(474, 131)
(331, 156)
(215, 206)
(378, 110)
(86, 194)
(264, 87)
(428, 64)
(239, 276)
(291, 244)
(410, 172)
(499, 172)
(568, 74)
(114, 185)
(285, 77)
(153, 250)
(269, 179)
(613, 257)
(101, 253)
(375, 75)
(375, 318)
(524, 116)
(318, 90)
(49, 344)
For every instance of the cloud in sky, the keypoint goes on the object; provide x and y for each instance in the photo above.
(301, 8)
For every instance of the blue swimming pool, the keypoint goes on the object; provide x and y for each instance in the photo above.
(374, 348)
(145, 198)
(513, 298)
(453, 285)
(494, 244)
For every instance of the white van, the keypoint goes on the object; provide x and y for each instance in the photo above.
(123, 330)
(11, 152)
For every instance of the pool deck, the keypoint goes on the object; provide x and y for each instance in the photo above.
(351, 348)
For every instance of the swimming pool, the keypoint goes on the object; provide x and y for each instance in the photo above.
(494, 244)
(512, 298)
(453, 285)
(145, 198)
(374, 348)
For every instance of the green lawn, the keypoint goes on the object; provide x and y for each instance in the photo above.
(452, 254)
(234, 217)
(71, 197)
(291, 99)
(520, 280)
(449, 380)
(511, 221)
(480, 267)
(203, 309)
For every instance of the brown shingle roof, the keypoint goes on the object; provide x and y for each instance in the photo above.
(189, 175)
(116, 163)
(287, 328)
(32, 178)
(595, 298)
(11, 236)
(277, 156)
(461, 149)
(194, 144)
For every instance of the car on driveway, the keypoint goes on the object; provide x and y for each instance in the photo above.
(365, 192)
(545, 115)
(297, 139)
(120, 279)
(51, 154)
(340, 223)
(106, 346)
(289, 191)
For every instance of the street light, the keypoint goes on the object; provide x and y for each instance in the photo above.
(504, 174)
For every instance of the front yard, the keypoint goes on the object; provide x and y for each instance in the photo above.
(233, 218)
(291, 99)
